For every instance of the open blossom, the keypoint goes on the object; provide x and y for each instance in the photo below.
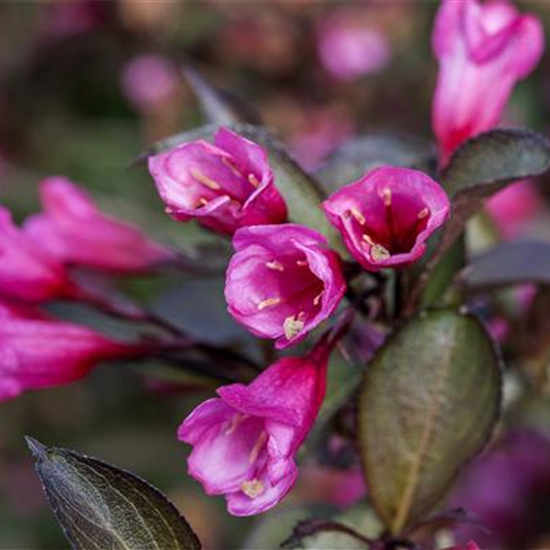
(349, 50)
(27, 272)
(244, 441)
(387, 216)
(38, 352)
(483, 50)
(224, 186)
(74, 231)
(282, 281)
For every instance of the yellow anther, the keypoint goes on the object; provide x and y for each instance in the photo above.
(253, 488)
(423, 213)
(202, 202)
(386, 196)
(268, 302)
(257, 447)
(293, 325)
(358, 216)
(275, 265)
(253, 180)
(367, 239)
(379, 253)
(205, 180)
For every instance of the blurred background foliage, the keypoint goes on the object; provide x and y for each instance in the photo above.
(69, 105)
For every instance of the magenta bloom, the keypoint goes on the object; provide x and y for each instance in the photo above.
(38, 352)
(387, 216)
(244, 442)
(283, 281)
(224, 186)
(349, 50)
(27, 272)
(483, 50)
(74, 231)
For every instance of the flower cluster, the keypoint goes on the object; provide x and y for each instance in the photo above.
(37, 263)
(281, 283)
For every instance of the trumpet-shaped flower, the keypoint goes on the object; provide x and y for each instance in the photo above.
(483, 50)
(245, 440)
(386, 217)
(224, 186)
(73, 230)
(282, 281)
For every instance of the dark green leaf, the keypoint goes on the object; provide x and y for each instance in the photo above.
(491, 160)
(361, 154)
(101, 507)
(429, 402)
(220, 107)
(511, 263)
(480, 168)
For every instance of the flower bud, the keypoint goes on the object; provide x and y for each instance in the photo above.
(483, 50)
(282, 281)
(39, 352)
(386, 217)
(73, 230)
(27, 272)
(224, 186)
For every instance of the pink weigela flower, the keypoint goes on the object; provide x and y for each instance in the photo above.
(387, 216)
(27, 272)
(74, 231)
(245, 441)
(282, 281)
(224, 186)
(38, 352)
(483, 50)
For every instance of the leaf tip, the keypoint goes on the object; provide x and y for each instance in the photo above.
(37, 449)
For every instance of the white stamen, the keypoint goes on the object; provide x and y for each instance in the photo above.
(253, 180)
(423, 213)
(275, 265)
(386, 196)
(358, 216)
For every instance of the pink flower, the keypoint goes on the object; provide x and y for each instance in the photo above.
(149, 80)
(38, 352)
(349, 51)
(483, 50)
(514, 207)
(27, 272)
(282, 281)
(387, 216)
(74, 231)
(224, 186)
(245, 441)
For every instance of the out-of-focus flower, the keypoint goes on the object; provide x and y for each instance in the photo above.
(514, 207)
(514, 512)
(63, 19)
(282, 281)
(224, 186)
(39, 352)
(387, 216)
(27, 272)
(483, 50)
(349, 50)
(149, 81)
(245, 441)
(74, 231)
(321, 134)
